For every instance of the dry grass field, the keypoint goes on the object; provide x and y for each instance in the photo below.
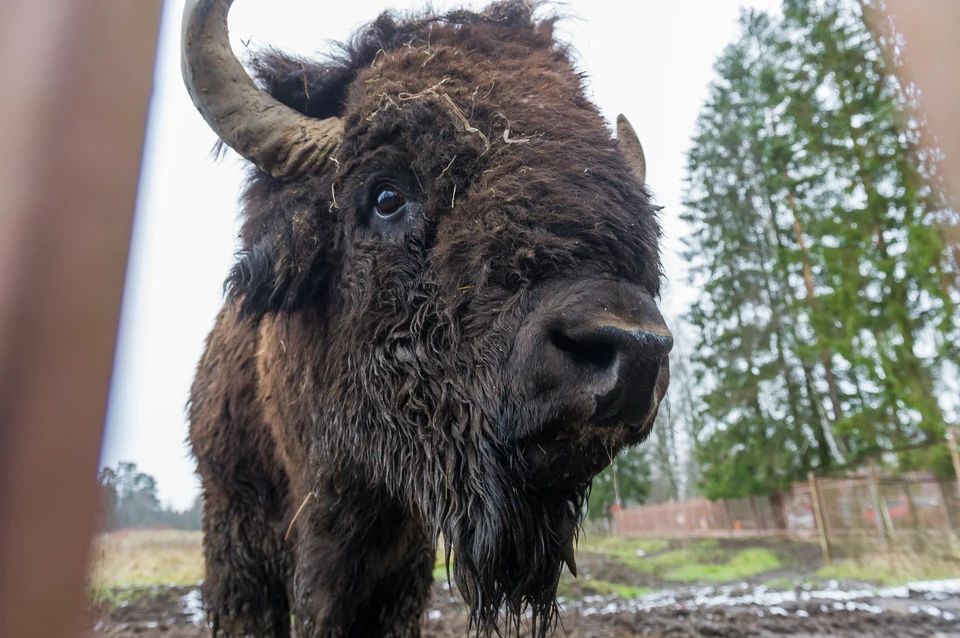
(143, 558)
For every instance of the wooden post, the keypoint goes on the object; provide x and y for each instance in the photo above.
(911, 506)
(756, 517)
(74, 89)
(784, 522)
(824, 509)
(818, 517)
(887, 521)
(879, 507)
(952, 444)
(944, 510)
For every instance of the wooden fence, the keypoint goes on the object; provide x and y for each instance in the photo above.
(847, 508)
(859, 505)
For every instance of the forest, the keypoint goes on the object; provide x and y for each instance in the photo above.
(826, 327)
(129, 500)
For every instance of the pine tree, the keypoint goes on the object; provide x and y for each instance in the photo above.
(764, 422)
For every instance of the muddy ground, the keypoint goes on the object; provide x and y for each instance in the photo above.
(171, 614)
(746, 608)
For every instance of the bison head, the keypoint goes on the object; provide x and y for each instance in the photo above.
(453, 267)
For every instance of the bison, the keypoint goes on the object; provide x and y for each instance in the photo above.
(441, 321)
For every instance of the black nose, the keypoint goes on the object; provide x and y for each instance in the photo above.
(592, 352)
(617, 363)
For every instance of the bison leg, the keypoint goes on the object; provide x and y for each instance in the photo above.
(244, 590)
(245, 489)
(364, 567)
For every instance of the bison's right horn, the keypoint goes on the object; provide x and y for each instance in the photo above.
(278, 139)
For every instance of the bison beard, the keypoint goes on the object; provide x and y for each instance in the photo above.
(460, 362)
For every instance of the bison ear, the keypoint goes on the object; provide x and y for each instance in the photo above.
(630, 147)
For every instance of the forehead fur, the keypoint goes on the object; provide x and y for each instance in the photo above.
(492, 113)
(319, 88)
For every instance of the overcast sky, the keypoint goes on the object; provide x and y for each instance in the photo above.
(649, 59)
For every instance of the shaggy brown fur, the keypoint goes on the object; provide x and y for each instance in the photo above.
(386, 376)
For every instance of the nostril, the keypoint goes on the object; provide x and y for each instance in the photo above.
(655, 346)
(591, 352)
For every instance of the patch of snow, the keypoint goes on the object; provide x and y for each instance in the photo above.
(893, 592)
(192, 606)
(766, 600)
(951, 586)
(929, 610)
(435, 614)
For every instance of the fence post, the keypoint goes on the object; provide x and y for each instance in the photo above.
(756, 516)
(879, 507)
(818, 517)
(952, 444)
(784, 520)
(727, 521)
(911, 506)
(944, 510)
(824, 509)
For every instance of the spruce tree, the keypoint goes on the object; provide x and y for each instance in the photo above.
(827, 313)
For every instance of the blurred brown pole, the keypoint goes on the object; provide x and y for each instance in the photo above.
(75, 83)
(930, 29)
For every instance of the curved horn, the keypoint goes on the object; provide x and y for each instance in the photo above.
(275, 137)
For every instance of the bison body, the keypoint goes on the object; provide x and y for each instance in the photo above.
(442, 321)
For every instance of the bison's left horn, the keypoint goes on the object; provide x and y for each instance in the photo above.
(278, 139)
(630, 147)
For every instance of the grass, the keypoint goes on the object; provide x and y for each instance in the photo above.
(440, 572)
(743, 564)
(133, 559)
(620, 545)
(601, 587)
(108, 597)
(895, 568)
(439, 562)
(701, 560)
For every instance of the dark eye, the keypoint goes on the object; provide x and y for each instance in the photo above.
(389, 201)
